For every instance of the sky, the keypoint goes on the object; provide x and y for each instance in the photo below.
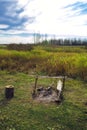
(20, 19)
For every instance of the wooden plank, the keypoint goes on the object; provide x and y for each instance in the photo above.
(54, 77)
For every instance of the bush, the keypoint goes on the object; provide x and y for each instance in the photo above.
(20, 47)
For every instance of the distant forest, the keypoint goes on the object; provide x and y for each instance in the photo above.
(66, 42)
(53, 42)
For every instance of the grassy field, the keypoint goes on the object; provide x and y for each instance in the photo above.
(22, 112)
(48, 60)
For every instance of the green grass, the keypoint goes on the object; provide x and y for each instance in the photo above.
(47, 60)
(68, 49)
(22, 113)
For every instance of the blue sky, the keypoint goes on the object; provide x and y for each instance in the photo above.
(19, 19)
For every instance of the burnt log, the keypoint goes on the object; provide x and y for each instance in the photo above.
(40, 89)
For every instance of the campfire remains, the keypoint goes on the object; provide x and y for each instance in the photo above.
(49, 94)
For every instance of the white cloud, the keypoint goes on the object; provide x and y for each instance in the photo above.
(3, 26)
(16, 39)
(51, 17)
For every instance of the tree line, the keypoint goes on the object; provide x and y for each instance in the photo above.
(55, 42)
(65, 42)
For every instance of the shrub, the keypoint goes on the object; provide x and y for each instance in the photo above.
(20, 47)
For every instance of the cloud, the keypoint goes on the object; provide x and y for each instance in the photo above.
(15, 39)
(80, 7)
(61, 17)
(3, 26)
(10, 14)
(55, 16)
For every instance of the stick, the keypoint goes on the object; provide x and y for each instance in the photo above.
(35, 86)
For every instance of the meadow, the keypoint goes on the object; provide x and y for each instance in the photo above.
(47, 60)
(22, 112)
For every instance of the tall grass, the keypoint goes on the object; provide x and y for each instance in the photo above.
(73, 64)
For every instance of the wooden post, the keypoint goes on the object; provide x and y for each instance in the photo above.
(35, 86)
(63, 81)
(9, 91)
(63, 86)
